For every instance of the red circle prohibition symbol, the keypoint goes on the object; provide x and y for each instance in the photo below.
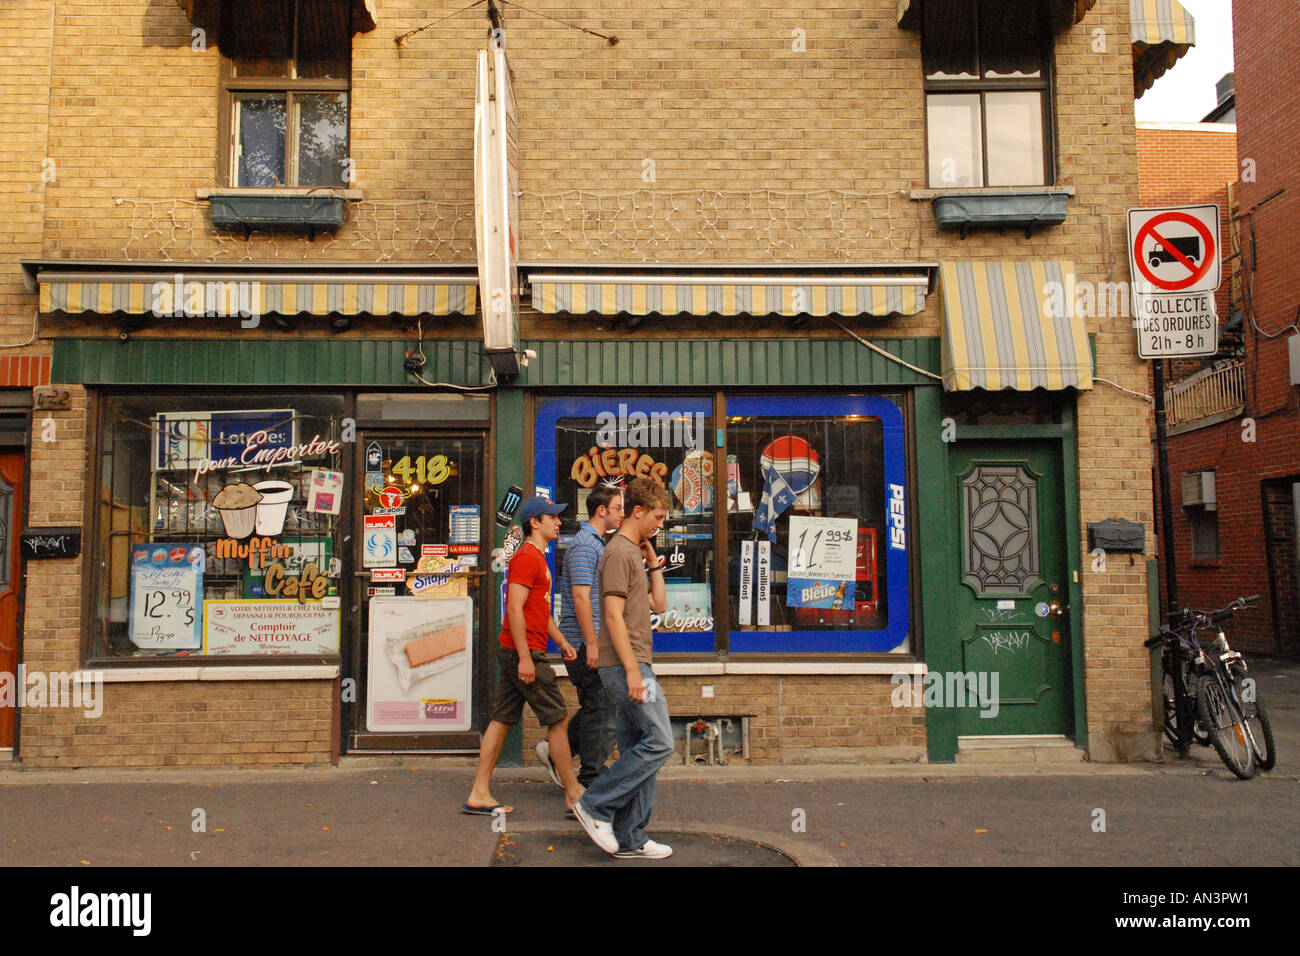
(1207, 258)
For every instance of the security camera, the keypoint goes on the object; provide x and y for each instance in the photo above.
(528, 356)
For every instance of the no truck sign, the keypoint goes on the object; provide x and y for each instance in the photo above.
(1174, 262)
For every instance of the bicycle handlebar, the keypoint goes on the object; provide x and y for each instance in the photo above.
(1187, 614)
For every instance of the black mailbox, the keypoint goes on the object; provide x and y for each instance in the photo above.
(1116, 535)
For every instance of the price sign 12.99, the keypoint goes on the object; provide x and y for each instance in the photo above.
(166, 582)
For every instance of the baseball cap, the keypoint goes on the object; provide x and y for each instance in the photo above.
(535, 508)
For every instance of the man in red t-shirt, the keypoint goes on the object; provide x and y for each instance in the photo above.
(521, 650)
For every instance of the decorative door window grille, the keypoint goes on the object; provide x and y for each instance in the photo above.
(1000, 530)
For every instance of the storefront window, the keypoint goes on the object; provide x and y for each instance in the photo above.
(218, 526)
(817, 524)
(816, 496)
(585, 442)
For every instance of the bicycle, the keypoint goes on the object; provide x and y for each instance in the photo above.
(1178, 692)
(1228, 713)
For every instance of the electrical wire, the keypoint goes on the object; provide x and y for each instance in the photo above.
(410, 33)
(888, 355)
(36, 318)
(612, 40)
(419, 350)
(1130, 391)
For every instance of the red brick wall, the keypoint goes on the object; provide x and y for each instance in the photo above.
(1187, 167)
(1267, 66)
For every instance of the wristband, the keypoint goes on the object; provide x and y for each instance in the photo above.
(663, 563)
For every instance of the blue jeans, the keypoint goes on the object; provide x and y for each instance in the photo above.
(624, 795)
(591, 729)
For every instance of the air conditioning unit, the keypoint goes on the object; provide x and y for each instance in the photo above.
(1198, 489)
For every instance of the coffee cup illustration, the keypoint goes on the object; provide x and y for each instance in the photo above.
(237, 505)
(273, 506)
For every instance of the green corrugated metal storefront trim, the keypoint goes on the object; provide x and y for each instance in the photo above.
(247, 362)
(715, 362)
(357, 362)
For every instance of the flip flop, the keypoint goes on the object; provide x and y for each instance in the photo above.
(484, 811)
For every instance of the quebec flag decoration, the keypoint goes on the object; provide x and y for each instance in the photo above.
(790, 468)
(777, 497)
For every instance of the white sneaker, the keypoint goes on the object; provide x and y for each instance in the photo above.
(651, 851)
(601, 833)
(543, 749)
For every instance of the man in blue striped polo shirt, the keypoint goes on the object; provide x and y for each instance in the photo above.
(591, 731)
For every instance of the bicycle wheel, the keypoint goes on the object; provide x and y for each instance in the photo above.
(1220, 717)
(1171, 711)
(1198, 733)
(1257, 717)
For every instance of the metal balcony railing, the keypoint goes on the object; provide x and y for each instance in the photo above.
(1210, 392)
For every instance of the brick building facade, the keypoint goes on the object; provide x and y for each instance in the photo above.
(1246, 434)
(707, 151)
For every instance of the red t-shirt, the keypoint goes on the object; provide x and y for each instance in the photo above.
(529, 568)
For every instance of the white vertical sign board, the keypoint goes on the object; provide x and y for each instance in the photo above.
(764, 583)
(496, 189)
(745, 597)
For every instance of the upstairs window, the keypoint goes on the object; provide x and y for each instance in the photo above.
(987, 93)
(285, 78)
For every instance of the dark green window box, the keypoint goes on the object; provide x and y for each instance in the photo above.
(277, 212)
(966, 211)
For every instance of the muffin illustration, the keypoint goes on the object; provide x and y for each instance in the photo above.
(237, 504)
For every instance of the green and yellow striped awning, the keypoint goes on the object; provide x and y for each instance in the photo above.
(1012, 325)
(207, 294)
(756, 295)
(1162, 32)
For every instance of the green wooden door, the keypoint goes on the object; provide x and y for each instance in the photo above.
(1010, 592)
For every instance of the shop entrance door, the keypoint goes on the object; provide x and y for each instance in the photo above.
(1010, 594)
(11, 511)
(419, 601)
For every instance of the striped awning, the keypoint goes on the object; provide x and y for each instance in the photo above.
(1065, 13)
(1162, 31)
(209, 294)
(757, 295)
(1012, 325)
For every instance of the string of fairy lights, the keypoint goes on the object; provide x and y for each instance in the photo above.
(649, 224)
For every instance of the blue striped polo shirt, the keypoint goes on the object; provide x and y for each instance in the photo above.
(581, 560)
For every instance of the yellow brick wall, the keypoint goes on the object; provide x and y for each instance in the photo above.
(761, 152)
(819, 718)
(26, 27)
(155, 724)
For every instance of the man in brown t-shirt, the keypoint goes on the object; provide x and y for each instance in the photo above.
(617, 807)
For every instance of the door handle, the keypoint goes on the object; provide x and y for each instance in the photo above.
(1056, 609)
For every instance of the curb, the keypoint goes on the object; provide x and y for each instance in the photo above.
(805, 856)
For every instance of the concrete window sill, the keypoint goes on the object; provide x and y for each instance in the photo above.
(791, 668)
(136, 675)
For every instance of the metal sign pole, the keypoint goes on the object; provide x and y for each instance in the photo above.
(1166, 495)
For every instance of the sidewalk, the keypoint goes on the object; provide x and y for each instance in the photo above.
(914, 815)
(400, 812)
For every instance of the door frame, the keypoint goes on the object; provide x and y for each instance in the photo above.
(459, 742)
(19, 520)
(1062, 439)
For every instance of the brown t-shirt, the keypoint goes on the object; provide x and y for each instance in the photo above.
(622, 573)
